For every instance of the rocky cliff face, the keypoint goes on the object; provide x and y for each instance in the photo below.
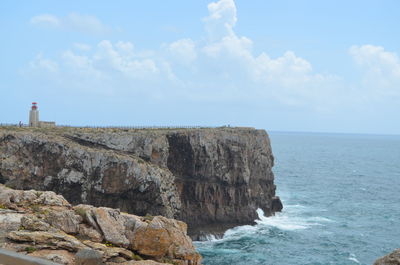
(210, 178)
(44, 224)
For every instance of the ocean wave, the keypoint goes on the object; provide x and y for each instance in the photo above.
(281, 221)
(291, 219)
(287, 221)
(352, 257)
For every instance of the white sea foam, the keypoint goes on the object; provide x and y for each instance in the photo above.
(210, 237)
(281, 221)
(240, 231)
(353, 258)
(320, 219)
(291, 219)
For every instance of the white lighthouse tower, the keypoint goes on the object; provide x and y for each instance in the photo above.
(34, 116)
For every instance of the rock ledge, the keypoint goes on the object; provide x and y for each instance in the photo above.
(44, 224)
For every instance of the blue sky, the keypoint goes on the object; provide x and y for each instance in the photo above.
(321, 66)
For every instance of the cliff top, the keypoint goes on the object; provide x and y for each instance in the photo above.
(67, 129)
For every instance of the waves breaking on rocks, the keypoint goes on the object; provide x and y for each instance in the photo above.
(333, 189)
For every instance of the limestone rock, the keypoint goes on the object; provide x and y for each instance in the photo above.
(88, 257)
(61, 240)
(390, 259)
(89, 232)
(212, 179)
(56, 231)
(9, 220)
(111, 225)
(276, 204)
(164, 237)
(65, 220)
(57, 256)
(31, 222)
(109, 251)
(143, 262)
(51, 198)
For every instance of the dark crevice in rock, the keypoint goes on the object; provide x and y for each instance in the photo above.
(180, 158)
(87, 142)
(2, 179)
(7, 138)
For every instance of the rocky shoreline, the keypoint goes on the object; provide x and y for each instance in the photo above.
(392, 258)
(44, 224)
(212, 179)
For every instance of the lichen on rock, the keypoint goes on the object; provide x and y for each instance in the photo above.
(52, 229)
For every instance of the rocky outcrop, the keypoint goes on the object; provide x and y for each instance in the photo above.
(212, 179)
(390, 259)
(44, 224)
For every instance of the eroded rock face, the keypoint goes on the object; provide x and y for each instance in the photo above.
(212, 179)
(57, 232)
(86, 174)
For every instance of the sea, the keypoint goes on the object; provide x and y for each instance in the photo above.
(341, 197)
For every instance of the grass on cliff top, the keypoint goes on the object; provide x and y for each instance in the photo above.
(63, 130)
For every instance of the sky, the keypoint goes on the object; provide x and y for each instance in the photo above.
(311, 65)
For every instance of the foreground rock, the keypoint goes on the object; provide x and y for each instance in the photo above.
(212, 179)
(44, 224)
(390, 259)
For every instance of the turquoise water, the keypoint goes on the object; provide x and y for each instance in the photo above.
(341, 196)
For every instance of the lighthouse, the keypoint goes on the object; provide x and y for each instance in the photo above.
(34, 116)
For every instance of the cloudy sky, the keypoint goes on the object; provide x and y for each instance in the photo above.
(320, 66)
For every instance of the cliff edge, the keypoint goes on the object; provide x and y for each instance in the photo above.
(213, 179)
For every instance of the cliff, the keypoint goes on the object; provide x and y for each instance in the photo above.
(212, 179)
(44, 224)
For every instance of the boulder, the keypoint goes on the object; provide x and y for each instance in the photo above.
(163, 237)
(88, 257)
(47, 226)
(390, 259)
(111, 225)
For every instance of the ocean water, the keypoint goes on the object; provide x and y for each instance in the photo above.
(341, 196)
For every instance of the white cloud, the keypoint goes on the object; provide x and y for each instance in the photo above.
(221, 19)
(86, 23)
(288, 78)
(42, 63)
(121, 59)
(381, 69)
(45, 20)
(82, 46)
(223, 67)
(73, 21)
(110, 63)
(183, 50)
